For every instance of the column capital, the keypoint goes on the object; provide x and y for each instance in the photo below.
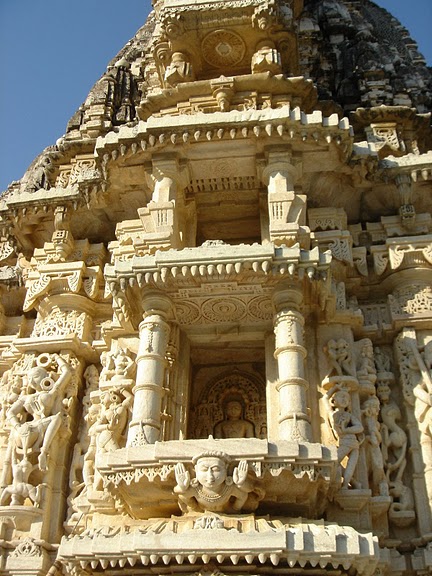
(164, 166)
(280, 160)
(287, 295)
(155, 302)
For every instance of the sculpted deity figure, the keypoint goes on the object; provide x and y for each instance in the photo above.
(20, 489)
(111, 421)
(366, 371)
(117, 367)
(349, 431)
(373, 439)
(340, 358)
(35, 416)
(85, 450)
(394, 439)
(212, 490)
(382, 361)
(234, 426)
(9, 392)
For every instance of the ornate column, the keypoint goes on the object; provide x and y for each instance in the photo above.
(287, 209)
(294, 423)
(151, 365)
(165, 216)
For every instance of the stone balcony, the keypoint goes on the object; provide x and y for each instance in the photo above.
(297, 478)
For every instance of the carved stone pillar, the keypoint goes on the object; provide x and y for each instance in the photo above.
(290, 354)
(164, 216)
(151, 365)
(287, 209)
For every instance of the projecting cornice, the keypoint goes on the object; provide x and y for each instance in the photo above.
(284, 124)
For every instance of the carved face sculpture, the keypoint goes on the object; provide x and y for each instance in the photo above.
(110, 398)
(121, 361)
(341, 399)
(211, 472)
(36, 376)
(233, 410)
(372, 406)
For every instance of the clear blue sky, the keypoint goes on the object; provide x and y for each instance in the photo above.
(53, 51)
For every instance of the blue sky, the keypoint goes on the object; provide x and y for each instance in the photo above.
(53, 51)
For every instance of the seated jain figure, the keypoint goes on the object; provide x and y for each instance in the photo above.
(234, 426)
(212, 490)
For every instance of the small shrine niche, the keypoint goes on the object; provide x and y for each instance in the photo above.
(231, 405)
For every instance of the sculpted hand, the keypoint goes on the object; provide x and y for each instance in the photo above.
(182, 476)
(240, 473)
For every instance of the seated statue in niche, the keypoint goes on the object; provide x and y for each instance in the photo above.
(212, 490)
(234, 425)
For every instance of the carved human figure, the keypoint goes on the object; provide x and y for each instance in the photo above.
(373, 439)
(21, 488)
(394, 439)
(123, 363)
(233, 425)
(382, 361)
(340, 358)
(117, 366)
(212, 490)
(9, 393)
(365, 364)
(36, 414)
(111, 422)
(85, 448)
(348, 430)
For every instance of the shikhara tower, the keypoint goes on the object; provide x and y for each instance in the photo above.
(216, 321)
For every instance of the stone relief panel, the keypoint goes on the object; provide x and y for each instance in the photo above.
(62, 323)
(232, 405)
(106, 414)
(352, 410)
(118, 368)
(250, 308)
(40, 393)
(415, 365)
(412, 299)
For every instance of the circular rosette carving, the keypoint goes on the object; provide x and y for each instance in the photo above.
(187, 313)
(223, 48)
(224, 310)
(261, 308)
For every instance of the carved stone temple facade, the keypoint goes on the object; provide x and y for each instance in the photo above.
(216, 306)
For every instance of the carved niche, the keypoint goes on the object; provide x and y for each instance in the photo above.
(232, 405)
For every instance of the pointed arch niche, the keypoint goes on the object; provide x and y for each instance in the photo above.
(244, 386)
